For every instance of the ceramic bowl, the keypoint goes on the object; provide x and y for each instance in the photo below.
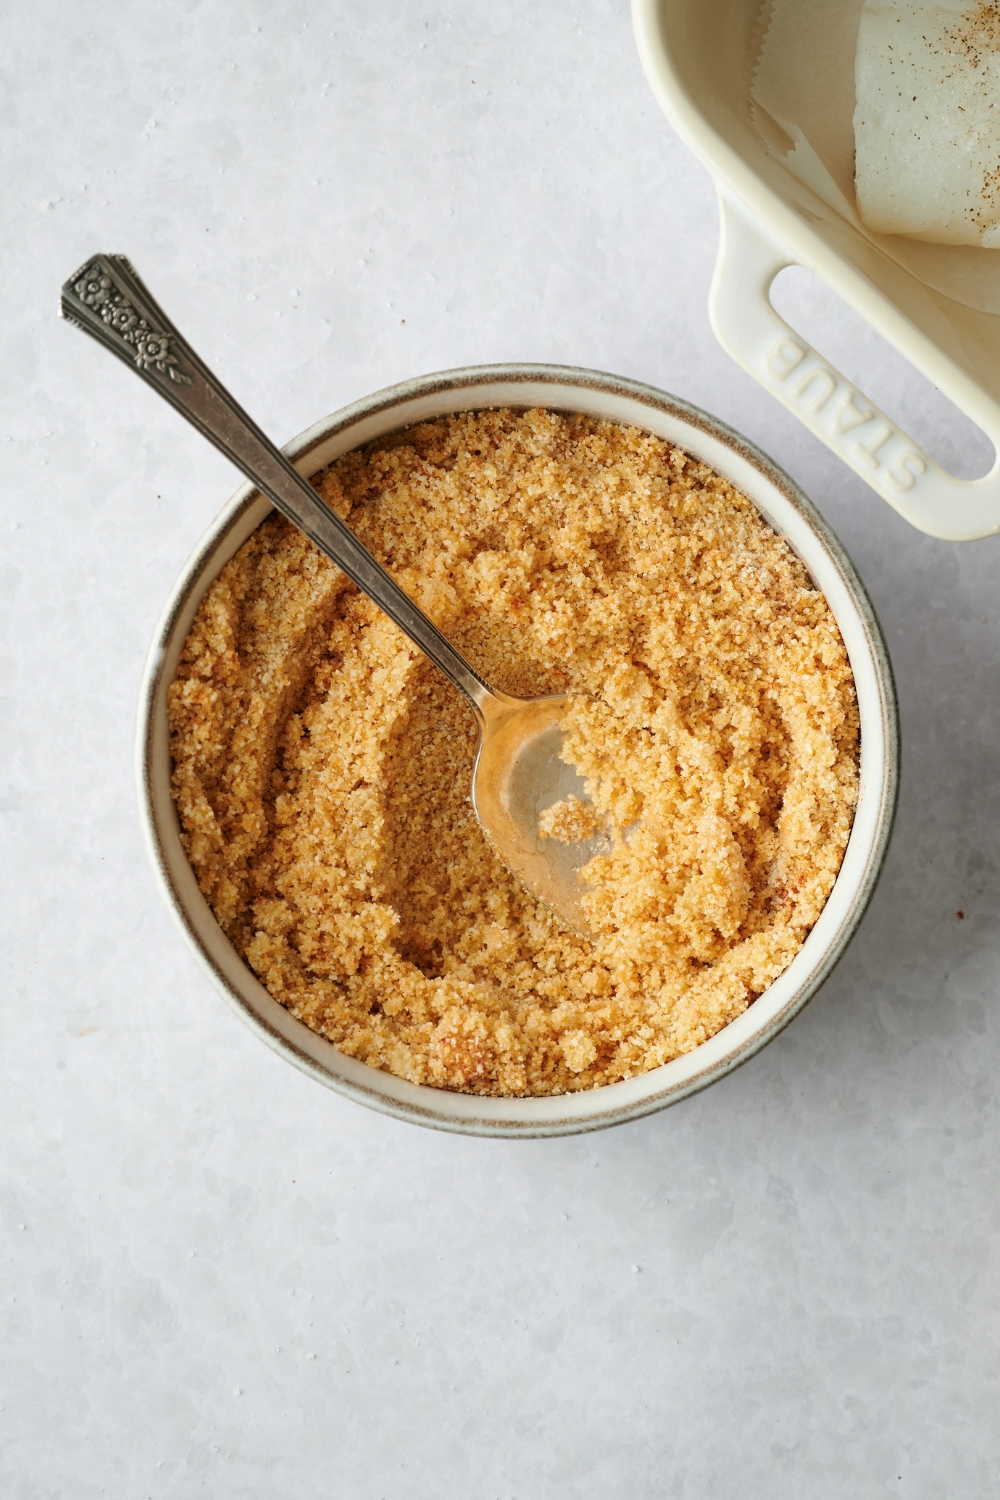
(696, 54)
(791, 514)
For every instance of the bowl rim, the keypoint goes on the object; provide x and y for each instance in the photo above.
(523, 386)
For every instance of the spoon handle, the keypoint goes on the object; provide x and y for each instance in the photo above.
(107, 299)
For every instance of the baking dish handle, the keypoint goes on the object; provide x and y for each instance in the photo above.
(897, 468)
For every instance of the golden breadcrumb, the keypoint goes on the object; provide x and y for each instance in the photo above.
(569, 822)
(323, 766)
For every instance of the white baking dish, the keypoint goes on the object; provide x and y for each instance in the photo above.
(696, 56)
(783, 505)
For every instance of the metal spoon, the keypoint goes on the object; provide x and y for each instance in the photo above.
(518, 772)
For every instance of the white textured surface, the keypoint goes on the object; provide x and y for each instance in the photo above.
(220, 1279)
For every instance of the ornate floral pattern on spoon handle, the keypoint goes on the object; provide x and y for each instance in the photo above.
(96, 289)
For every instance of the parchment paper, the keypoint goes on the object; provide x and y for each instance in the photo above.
(802, 99)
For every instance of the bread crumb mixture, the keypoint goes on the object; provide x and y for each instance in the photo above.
(323, 767)
(570, 822)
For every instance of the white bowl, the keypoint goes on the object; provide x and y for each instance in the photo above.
(696, 54)
(781, 502)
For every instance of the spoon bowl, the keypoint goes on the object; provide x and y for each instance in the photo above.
(520, 773)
